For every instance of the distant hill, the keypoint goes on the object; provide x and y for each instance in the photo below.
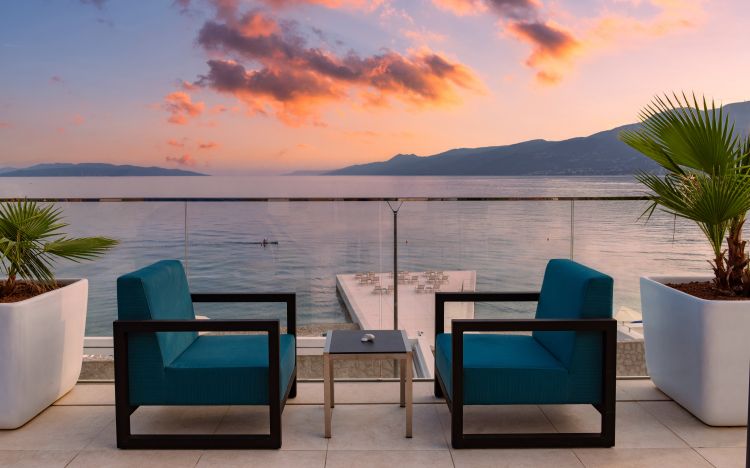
(308, 172)
(598, 154)
(92, 170)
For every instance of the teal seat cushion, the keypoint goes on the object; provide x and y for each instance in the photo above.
(222, 370)
(504, 369)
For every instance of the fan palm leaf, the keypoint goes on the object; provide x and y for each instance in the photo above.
(31, 241)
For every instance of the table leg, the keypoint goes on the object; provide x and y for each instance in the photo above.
(409, 396)
(402, 369)
(330, 372)
(327, 386)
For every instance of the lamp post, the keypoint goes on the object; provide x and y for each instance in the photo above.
(395, 262)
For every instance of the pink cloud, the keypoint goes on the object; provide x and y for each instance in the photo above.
(184, 160)
(181, 108)
(209, 145)
(554, 47)
(5, 124)
(176, 143)
(269, 66)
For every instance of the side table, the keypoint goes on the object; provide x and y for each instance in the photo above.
(387, 345)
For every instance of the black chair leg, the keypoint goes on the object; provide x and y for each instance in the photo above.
(293, 390)
(438, 389)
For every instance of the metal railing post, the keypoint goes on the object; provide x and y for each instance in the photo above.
(185, 238)
(572, 227)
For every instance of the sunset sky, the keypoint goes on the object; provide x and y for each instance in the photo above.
(269, 86)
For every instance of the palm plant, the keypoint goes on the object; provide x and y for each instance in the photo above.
(30, 242)
(707, 177)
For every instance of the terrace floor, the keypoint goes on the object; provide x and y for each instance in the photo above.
(368, 425)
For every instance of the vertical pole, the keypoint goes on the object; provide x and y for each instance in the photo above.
(186, 239)
(572, 226)
(395, 269)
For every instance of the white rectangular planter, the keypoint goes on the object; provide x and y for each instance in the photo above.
(41, 350)
(697, 350)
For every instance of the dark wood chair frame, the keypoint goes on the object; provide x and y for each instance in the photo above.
(608, 329)
(123, 409)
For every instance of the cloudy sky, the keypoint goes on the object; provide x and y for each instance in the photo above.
(263, 86)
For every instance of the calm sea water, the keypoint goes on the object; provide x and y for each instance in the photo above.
(507, 243)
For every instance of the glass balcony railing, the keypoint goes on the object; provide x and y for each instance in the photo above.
(483, 244)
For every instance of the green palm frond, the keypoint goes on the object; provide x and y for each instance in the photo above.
(82, 248)
(31, 240)
(679, 134)
(711, 202)
(707, 180)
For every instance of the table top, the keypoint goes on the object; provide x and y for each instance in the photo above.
(350, 342)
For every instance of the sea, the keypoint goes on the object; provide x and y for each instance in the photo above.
(507, 242)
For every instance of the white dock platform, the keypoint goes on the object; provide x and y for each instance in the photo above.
(416, 310)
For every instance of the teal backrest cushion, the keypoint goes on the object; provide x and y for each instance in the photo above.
(158, 292)
(571, 291)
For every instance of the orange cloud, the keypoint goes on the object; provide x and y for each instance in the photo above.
(181, 107)
(184, 160)
(78, 119)
(461, 7)
(611, 29)
(551, 48)
(176, 143)
(555, 47)
(209, 145)
(287, 78)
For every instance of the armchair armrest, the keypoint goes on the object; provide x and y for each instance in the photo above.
(289, 298)
(442, 297)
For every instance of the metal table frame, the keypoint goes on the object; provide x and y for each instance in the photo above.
(405, 369)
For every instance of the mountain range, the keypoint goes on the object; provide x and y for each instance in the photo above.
(91, 170)
(598, 154)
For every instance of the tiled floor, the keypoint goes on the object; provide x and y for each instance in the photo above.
(368, 425)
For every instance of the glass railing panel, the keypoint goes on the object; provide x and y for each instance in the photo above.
(307, 244)
(147, 232)
(498, 245)
(612, 237)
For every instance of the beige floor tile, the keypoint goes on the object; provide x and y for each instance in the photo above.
(36, 458)
(89, 394)
(621, 394)
(727, 457)
(497, 419)
(389, 458)
(641, 458)
(635, 427)
(515, 458)
(164, 420)
(573, 418)
(177, 419)
(382, 427)
(59, 428)
(691, 429)
(136, 458)
(641, 390)
(362, 392)
(301, 425)
(263, 459)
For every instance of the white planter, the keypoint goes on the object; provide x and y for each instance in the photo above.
(697, 351)
(41, 349)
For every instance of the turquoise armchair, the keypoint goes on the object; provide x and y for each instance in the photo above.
(160, 359)
(570, 357)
